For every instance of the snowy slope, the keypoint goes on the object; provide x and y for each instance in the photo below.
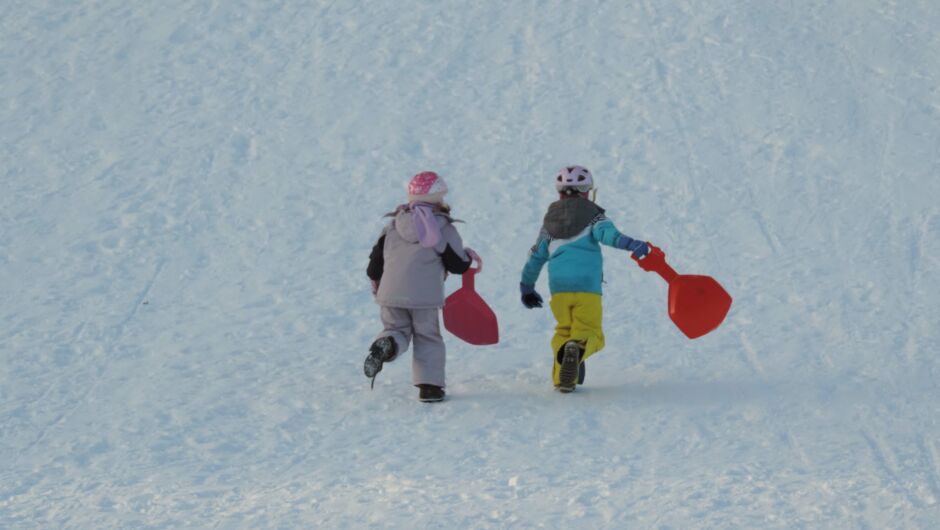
(189, 191)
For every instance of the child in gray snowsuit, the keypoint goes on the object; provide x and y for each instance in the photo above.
(407, 267)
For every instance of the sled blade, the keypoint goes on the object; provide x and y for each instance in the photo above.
(697, 304)
(468, 316)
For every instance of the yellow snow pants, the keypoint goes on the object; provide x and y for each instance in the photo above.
(578, 317)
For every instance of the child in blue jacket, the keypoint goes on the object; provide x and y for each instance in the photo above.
(569, 241)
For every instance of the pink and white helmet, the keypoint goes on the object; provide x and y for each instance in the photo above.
(426, 186)
(577, 177)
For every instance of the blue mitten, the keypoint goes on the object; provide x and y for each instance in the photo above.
(530, 298)
(639, 248)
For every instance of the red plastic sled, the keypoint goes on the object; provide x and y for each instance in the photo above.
(467, 315)
(697, 304)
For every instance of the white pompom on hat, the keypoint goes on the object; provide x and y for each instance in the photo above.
(427, 186)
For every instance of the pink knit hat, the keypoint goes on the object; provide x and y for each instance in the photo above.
(426, 186)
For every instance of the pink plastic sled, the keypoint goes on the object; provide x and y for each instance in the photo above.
(468, 316)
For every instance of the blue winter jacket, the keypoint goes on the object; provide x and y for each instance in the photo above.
(569, 241)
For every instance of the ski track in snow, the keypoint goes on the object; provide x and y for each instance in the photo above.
(191, 191)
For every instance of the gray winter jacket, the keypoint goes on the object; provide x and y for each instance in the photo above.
(409, 275)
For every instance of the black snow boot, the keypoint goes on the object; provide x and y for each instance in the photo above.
(382, 350)
(570, 366)
(430, 393)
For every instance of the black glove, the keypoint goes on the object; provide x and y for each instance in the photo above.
(530, 298)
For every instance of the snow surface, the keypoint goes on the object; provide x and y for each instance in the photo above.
(189, 191)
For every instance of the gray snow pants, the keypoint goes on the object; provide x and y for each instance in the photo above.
(427, 363)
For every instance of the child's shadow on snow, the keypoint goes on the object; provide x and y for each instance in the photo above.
(690, 393)
(657, 393)
(709, 393)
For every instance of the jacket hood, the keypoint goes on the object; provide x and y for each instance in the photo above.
(568, 217)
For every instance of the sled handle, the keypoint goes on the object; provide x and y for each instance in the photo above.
(655, 261)
(474, 257)
(468, 275)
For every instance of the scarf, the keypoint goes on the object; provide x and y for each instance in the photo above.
(429, 231)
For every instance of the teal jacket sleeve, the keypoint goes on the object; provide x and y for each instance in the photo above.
(538, 255)
(606, 233)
